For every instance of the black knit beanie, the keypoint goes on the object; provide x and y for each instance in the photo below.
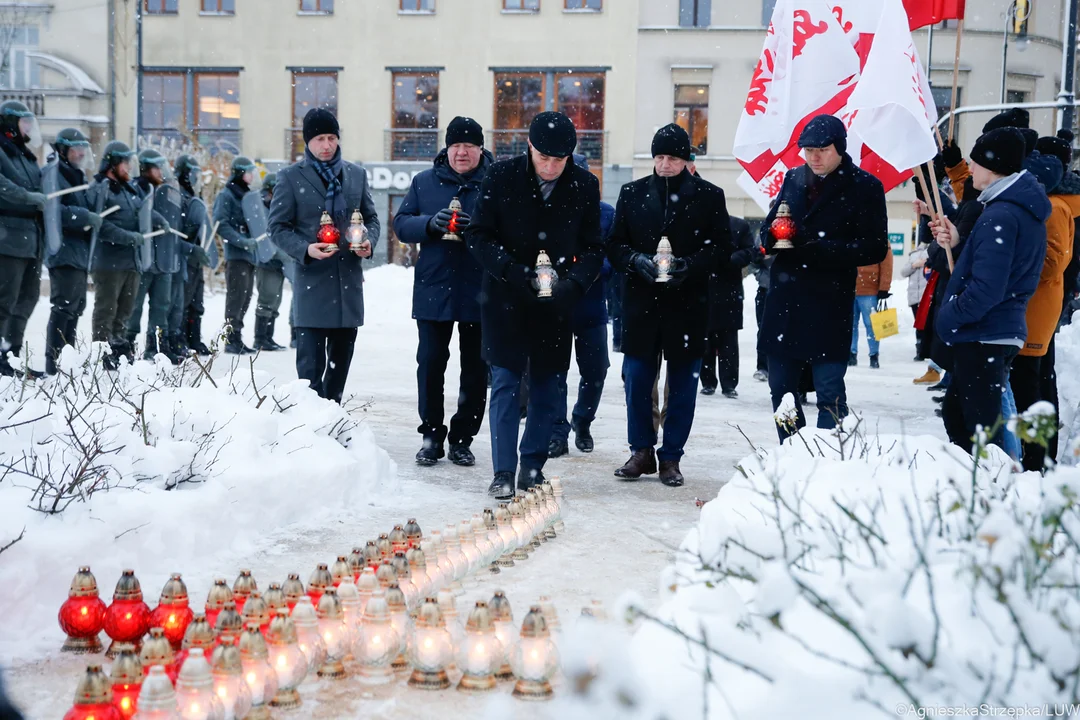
(320, 121)
(464, 130)
(1000, 151)
(671, 140)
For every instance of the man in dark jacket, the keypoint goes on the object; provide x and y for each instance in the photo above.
(726, 315)
(537, 202)
(666, 320)
(591, 352)
(842, 224)
(189, 179)
(329, 287)
(270, 283)
(239, 251)
(118, 249)
(446, 290)
(983, 316)
(69, 265)
(21, 237)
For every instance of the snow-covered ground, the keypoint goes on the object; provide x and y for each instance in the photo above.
(618, 536)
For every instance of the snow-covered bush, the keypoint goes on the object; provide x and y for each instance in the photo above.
(153, 466)
(844, 574)
(1067, 362)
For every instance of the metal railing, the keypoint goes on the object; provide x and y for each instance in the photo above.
(410, 143)
(508, 143)
(34, 101)
(214, 140)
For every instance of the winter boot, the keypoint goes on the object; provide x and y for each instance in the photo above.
(529, 477)
(874, 364)
(178, 345)
(583, 437)
(762, 376)
(194, 335)
(260, 333)
(557, 447)
(731, 394)
(708, 391)
(502, 487)
(670, 474)
(271, 344)
(642, 462)
(292, 340)
(236, 345)
(853, 360)
(461, 455)
(54, 341)
(931, 377)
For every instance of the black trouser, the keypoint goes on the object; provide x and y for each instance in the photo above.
(973, 399)
(1033, 379)
(432, 354)
(114, 299)
(67, 294)
(721, 359)
(1049, 389)
(193, 304)
(239, 284)
(20, 286)
(759, 311)
(918, 333)
(323, 357)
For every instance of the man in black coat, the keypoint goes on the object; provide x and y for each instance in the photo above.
(726, 315)
(537, 202)
(446, 290)
(328, 302)
(669, 319)
(842, 224)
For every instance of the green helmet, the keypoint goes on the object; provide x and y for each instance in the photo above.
(270, 181)
(115, 153)
(242, 165)
(11, 112)
(69, 138)
(152, 158)
(186, 165)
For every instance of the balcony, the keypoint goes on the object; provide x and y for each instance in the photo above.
(214, 140)
(33, 100)
(591, 143)
(415, 144)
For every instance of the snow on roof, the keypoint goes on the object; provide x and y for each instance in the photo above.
(78, 77)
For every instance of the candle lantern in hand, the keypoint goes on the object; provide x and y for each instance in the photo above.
(783, 228)
(327, 232)
(452, 227)
(545, 275)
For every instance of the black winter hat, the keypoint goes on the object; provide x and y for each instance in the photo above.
(1057, 147)
(672, 140)
(1031, 139)
(553, 134)
(1013, 117)
(1066, 135)
(320, 121)
(823, 131)
(1000, 151)
(464, 130)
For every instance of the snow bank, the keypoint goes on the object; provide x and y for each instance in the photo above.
(160, 469)
(1067, 362)
(829, 578)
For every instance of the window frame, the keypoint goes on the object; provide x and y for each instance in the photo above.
(697, 9)
(402, 10)
(689, 108)
(182, 76)
(422, 134)
(218, 11)
(521, 10)
(767, 9)
(582, 6)
(163, 5)
(196, 125)
(319, 10)
(296, 75)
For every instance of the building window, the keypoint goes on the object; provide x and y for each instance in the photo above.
(1017, 96)
(326, 7)
(522, 5)
(19, 71)
(589, 5)
(310, 90)
(767, 7)
(219, 7)
(217, 101)
(414, 133)
(692, 114)
(943, 102)
(161, 7)
(519, 97)
(695, 13)
(417, 6)
(163, 106)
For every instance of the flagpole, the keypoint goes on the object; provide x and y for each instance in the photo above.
(955, 80)
(923, 175)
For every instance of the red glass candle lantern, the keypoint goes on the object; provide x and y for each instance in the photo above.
(93, 698)
(82, 616)
(783, 228)
(340, 570)
(199, 635)
(128, 618)
(327, 232)
(294, 590)
(399, 542)
(242, 589)
(173, 613)
(216, 599)
(275, 598)
(318, 582)
(126, 676)
(453, 226)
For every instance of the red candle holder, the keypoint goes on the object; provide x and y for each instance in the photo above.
(82, 616)
(318, 582)
(413, 533)
(173, 613)
(372, 556)
(93, 698)
(126, 676)
(128, 618)
(219, 594)
(156, 650)
(294, 590)
(242, 589)
(783, 228)
(200, 634)
(327, 232)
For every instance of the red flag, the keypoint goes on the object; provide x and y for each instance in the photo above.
(929, 12)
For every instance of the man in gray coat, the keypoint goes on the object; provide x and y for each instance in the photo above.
(329, 288)
(22, 241)
(239, 251)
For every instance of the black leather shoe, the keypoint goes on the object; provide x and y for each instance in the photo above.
(583, 438)
(502, 487)
(642, 462)
(670, 474)
(528, 477)
(731, 394)
(430, 453)
(708, 391)
(853, 360)
(938, 399)
(461, 455)
(557, 448)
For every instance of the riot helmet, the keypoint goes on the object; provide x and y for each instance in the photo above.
(20, 124)
(247, 172)
(74, 148)
(153, 166)
(118, 154)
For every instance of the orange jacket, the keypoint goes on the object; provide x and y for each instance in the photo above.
(958, 176)
(1044, 308)
(873, 278)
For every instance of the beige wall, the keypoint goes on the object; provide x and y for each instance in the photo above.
(465, 37)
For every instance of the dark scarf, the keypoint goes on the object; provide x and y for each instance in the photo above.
(330, 173)
(13, 147)
(185, 185)
(238, 188)
(72, 174)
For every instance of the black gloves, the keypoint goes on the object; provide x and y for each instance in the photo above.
(951, 154)
(566, 296)
(440, 222)
(644, 266)
(883, 295)
(742, 258)
(201, 255)
(36, 200)
(680, 270)
(519, 276)
(95, 221)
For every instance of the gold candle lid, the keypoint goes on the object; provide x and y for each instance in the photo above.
(93, 688)
(534, 625)
(127, 587)
(480, 618)
(126, 668)
(84, 584)
(198, 634)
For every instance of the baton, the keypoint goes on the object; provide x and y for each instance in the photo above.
(174, 231)
(261, 237)
(153, 234)
(66, 191)
(213, 232)
(110, 211)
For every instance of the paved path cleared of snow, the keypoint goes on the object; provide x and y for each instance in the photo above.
(617, 534)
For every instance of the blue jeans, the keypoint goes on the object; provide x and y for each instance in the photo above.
(639, 374)
(784, 374)
(1010, 441)
(864, 306)
(590, 349)
(504, 416)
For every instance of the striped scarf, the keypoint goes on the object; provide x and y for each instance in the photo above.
(330, 173)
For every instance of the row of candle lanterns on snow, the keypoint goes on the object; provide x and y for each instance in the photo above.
(377, 606)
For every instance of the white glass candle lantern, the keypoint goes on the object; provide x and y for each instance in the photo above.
(503, 617)
(308, 636)
(195, 697)
(399, 620)
(431, 649)
(365, 586)
(385, 573)
(552, 509)
(457, 558)
(545, 275)
(493, 535)
(480, 655)
(356, 231)
(468, 545)
(418, 567)
(536, 522)
(551, 615)
(436, 576)
(480, 540)
(557, 489)
(404, 579)
(663, 260)
(534, 659)
(157, 699)
(378, 644)
(451, 619)
(352, 611)
(260, 677)
(521, 531)
(334, 633)
(504, 524)
(229, 684)
(287, 660)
